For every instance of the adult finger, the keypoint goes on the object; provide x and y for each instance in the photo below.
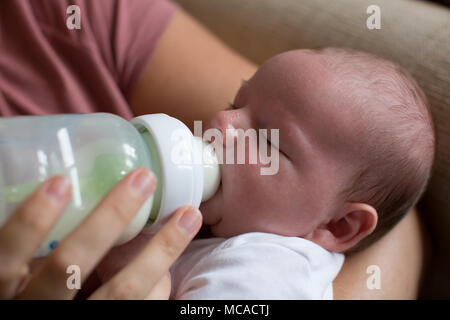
(161, 290)
(27, 228)
(137, 279)
(85, 246)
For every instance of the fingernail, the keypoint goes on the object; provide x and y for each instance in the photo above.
(58, 187)
(143, 182)
(190, 220)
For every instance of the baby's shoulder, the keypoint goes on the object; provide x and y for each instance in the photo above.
(259, 265)
(260, 245)
(262, 241)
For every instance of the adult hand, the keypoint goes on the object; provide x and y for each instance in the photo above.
(24, 231)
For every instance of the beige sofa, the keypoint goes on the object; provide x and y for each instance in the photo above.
(415, 34)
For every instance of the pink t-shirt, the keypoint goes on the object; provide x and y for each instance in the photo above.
(46, 68)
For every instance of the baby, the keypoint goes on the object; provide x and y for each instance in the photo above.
(356, 144)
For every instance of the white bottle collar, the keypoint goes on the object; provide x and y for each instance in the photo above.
(182, 172)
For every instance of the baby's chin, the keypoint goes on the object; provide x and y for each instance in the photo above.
(211, 209)
(220, 230)
(213, 218)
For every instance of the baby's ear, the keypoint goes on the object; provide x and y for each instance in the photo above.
(355, 222)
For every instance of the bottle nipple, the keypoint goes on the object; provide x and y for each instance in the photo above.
(211, 169)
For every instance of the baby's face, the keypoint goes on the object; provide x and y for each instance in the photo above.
(295, 93)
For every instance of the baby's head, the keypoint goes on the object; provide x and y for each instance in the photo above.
(356, 144)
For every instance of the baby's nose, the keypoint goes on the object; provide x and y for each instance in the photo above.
(232, 119)
(227, 122)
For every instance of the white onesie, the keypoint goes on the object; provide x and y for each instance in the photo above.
(255, 266)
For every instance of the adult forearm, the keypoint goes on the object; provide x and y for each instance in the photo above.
(398, 257)
(191, 75)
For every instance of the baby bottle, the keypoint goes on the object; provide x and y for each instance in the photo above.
(94, 151)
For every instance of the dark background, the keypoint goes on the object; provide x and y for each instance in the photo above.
(443, 2)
